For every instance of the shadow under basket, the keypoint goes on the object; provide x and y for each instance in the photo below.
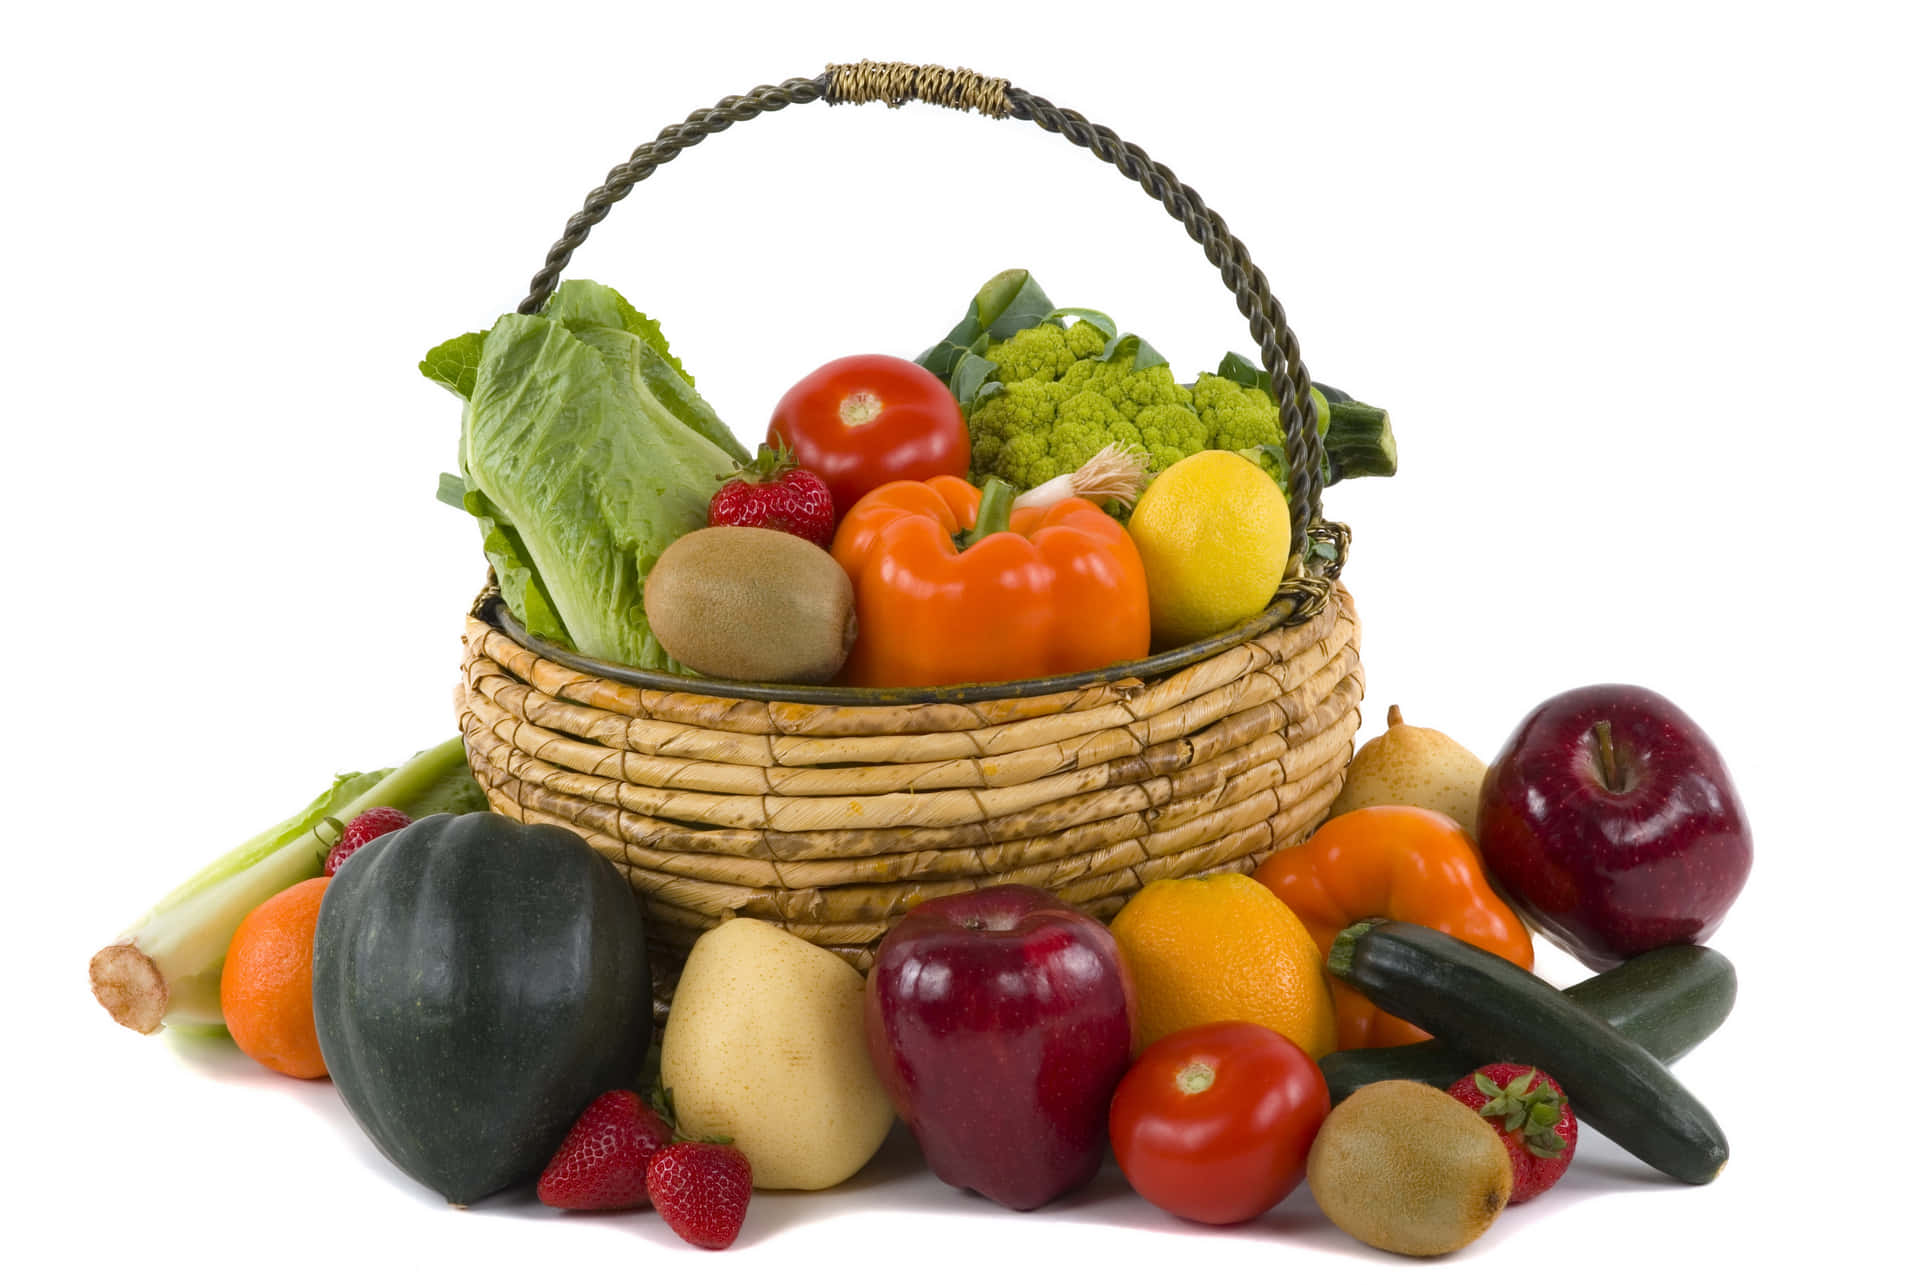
(833, 811)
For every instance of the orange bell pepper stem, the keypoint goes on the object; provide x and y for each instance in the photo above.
(1401, 863)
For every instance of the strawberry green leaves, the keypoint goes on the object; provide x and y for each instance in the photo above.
(1528, 1105)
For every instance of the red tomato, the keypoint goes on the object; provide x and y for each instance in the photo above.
(1213, 1123)
(861, 421)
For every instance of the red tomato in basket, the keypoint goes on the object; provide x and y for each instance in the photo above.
(861, 421)
(1214, 1123)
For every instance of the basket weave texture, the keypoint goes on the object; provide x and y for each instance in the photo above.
(834, 819)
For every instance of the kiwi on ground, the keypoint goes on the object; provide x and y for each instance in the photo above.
(751, 604)
(1406, 1167)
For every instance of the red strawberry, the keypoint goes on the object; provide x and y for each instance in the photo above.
(361, 831)
(602, 1163)
(701, 1190)
(772, 493)
(1529, 1110)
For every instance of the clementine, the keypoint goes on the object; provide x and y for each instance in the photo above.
(1222, 948)
(266, 985)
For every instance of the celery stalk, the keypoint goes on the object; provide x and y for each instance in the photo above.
(165, 970)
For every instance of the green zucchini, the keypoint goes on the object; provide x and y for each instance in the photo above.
(1359, 442)
(1667, 1001)
(1357, 438)
(1495, 1011)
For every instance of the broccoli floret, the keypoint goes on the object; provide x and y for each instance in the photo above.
(1170, 434)
(1244, 419)
(1088, 421)
(1013, 430)
(1045, 352)
(1059, 403)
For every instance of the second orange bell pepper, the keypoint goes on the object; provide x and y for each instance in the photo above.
(952, 585)
(1401, 863)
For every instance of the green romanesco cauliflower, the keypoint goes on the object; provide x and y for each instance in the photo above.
(1045, 352)
(1060, 403)
(1044, 400)
(1244, 419)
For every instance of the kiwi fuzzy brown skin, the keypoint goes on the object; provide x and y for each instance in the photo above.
(752, 604)
(1394, 1167)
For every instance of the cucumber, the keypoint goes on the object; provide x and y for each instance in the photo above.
(1495, 1011)
(1359, 441)
(1667, 1001)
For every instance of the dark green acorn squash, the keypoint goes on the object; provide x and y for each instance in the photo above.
(477, 982)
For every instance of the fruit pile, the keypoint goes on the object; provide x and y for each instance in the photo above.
(1358, 1013)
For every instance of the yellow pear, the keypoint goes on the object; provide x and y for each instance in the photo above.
(766, 1045)
(1416, 767)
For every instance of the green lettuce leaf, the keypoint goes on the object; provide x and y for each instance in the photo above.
(584, 452)
(584, 305)
(581, 473)
(453, 364)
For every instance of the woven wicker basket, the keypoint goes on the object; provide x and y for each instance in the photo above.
(831, 811)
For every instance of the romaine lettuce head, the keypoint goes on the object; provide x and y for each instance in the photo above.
(584, 452)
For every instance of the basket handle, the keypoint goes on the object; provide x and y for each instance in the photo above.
(895, 83)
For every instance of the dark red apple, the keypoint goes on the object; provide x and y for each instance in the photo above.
(1610, 822)
(1000, 1022)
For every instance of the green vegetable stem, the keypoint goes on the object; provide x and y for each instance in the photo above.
(995, 515)
(165, 970)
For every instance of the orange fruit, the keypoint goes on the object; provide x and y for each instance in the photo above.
(1222, 948)
(266, 985)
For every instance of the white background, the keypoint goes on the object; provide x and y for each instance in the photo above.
(1637, 286)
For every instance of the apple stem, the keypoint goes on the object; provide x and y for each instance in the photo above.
(1609, 765)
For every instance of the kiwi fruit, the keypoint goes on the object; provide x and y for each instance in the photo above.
(1406, 1167)
(1414, 767)
(751, 604)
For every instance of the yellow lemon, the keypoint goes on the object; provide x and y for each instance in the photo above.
(1213, 532)
(1222, 948)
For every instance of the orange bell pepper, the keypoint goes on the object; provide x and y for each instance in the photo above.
(953, 585)
(1401, 863)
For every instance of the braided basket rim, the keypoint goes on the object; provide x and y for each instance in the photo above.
(1279, 614)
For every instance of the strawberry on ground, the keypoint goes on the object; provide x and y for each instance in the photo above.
(772, 493)
(602, 1162)
(1529, 1110)
(701, 1190)
(361, 831)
